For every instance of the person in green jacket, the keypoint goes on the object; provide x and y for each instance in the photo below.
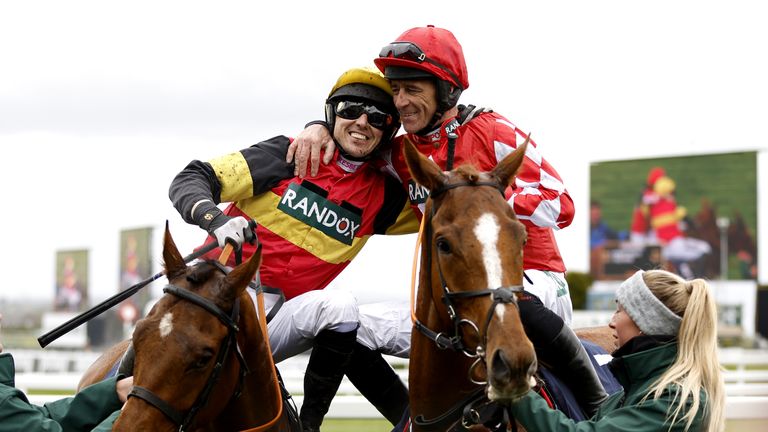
(666, 361)
(94, 408)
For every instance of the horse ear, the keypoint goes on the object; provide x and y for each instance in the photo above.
(423, 170)
(506, 169)
(239, 278)
(172, 260)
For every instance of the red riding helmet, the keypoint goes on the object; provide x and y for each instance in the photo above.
(654, 174)
(428, 52)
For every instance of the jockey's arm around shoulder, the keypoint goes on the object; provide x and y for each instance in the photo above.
(308, 145)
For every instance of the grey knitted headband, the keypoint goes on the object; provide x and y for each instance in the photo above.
(646, 310)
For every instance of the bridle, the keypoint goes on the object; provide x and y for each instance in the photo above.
(500, 295)
(184, 419)
(454, 340)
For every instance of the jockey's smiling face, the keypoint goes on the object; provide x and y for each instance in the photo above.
(357, 136)
(416, 101)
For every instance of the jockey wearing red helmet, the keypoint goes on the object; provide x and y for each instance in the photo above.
(428, 53)
(427, 71)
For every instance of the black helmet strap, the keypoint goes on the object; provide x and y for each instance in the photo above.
(447, 98)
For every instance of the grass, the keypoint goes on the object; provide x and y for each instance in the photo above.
(381, 425)
(356, 425)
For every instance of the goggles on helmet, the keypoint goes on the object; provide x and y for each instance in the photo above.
(411, 51)
(353, 110)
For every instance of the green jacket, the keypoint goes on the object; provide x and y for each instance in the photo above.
(94, 408)
(622, 411)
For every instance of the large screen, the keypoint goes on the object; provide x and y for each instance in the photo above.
(693, 215)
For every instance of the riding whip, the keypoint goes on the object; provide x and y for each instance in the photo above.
(100, 308)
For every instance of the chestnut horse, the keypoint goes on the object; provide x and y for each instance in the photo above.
(201, 359)
(470, 342)
(470, 347)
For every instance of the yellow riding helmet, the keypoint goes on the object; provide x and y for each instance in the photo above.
(664, 186)
(367, 76)
(363, 84)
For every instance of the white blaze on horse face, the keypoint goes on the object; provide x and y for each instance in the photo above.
(487, 233)
(166, 324)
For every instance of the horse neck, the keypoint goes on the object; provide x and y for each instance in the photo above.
(438, 379)
(429, 306)
(258, 403)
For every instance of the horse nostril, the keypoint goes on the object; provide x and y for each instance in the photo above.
(500, 369)
(532, 369)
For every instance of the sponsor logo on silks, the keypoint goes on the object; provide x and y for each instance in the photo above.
(562, 288)
(452, 126)
(316, 211)
(417, 193)
(347, 165)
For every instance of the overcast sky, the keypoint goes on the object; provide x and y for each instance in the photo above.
(102, 103)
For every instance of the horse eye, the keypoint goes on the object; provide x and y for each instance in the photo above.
(443, 246)
(203, 360)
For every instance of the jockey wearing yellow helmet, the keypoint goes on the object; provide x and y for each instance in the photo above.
(310, 230)
(361, 91)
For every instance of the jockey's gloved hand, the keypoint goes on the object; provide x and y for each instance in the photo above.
(235, 230)
(210, 218)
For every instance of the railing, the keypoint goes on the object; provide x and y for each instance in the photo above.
(746, 380)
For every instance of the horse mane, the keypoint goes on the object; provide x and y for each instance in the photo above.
(468, 172)
(200, 273)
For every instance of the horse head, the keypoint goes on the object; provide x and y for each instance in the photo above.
(194, 348)
(471, 275)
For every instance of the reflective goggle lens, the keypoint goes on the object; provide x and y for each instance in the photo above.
(404, 50)
(353, 110)
(411, 51)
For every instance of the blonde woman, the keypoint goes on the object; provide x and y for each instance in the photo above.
(666, 360)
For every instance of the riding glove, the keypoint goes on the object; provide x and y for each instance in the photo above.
(236, 230)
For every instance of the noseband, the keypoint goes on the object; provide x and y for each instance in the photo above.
(184, 419)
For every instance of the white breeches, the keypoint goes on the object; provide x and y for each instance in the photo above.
(552, 289)
(384, 326)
